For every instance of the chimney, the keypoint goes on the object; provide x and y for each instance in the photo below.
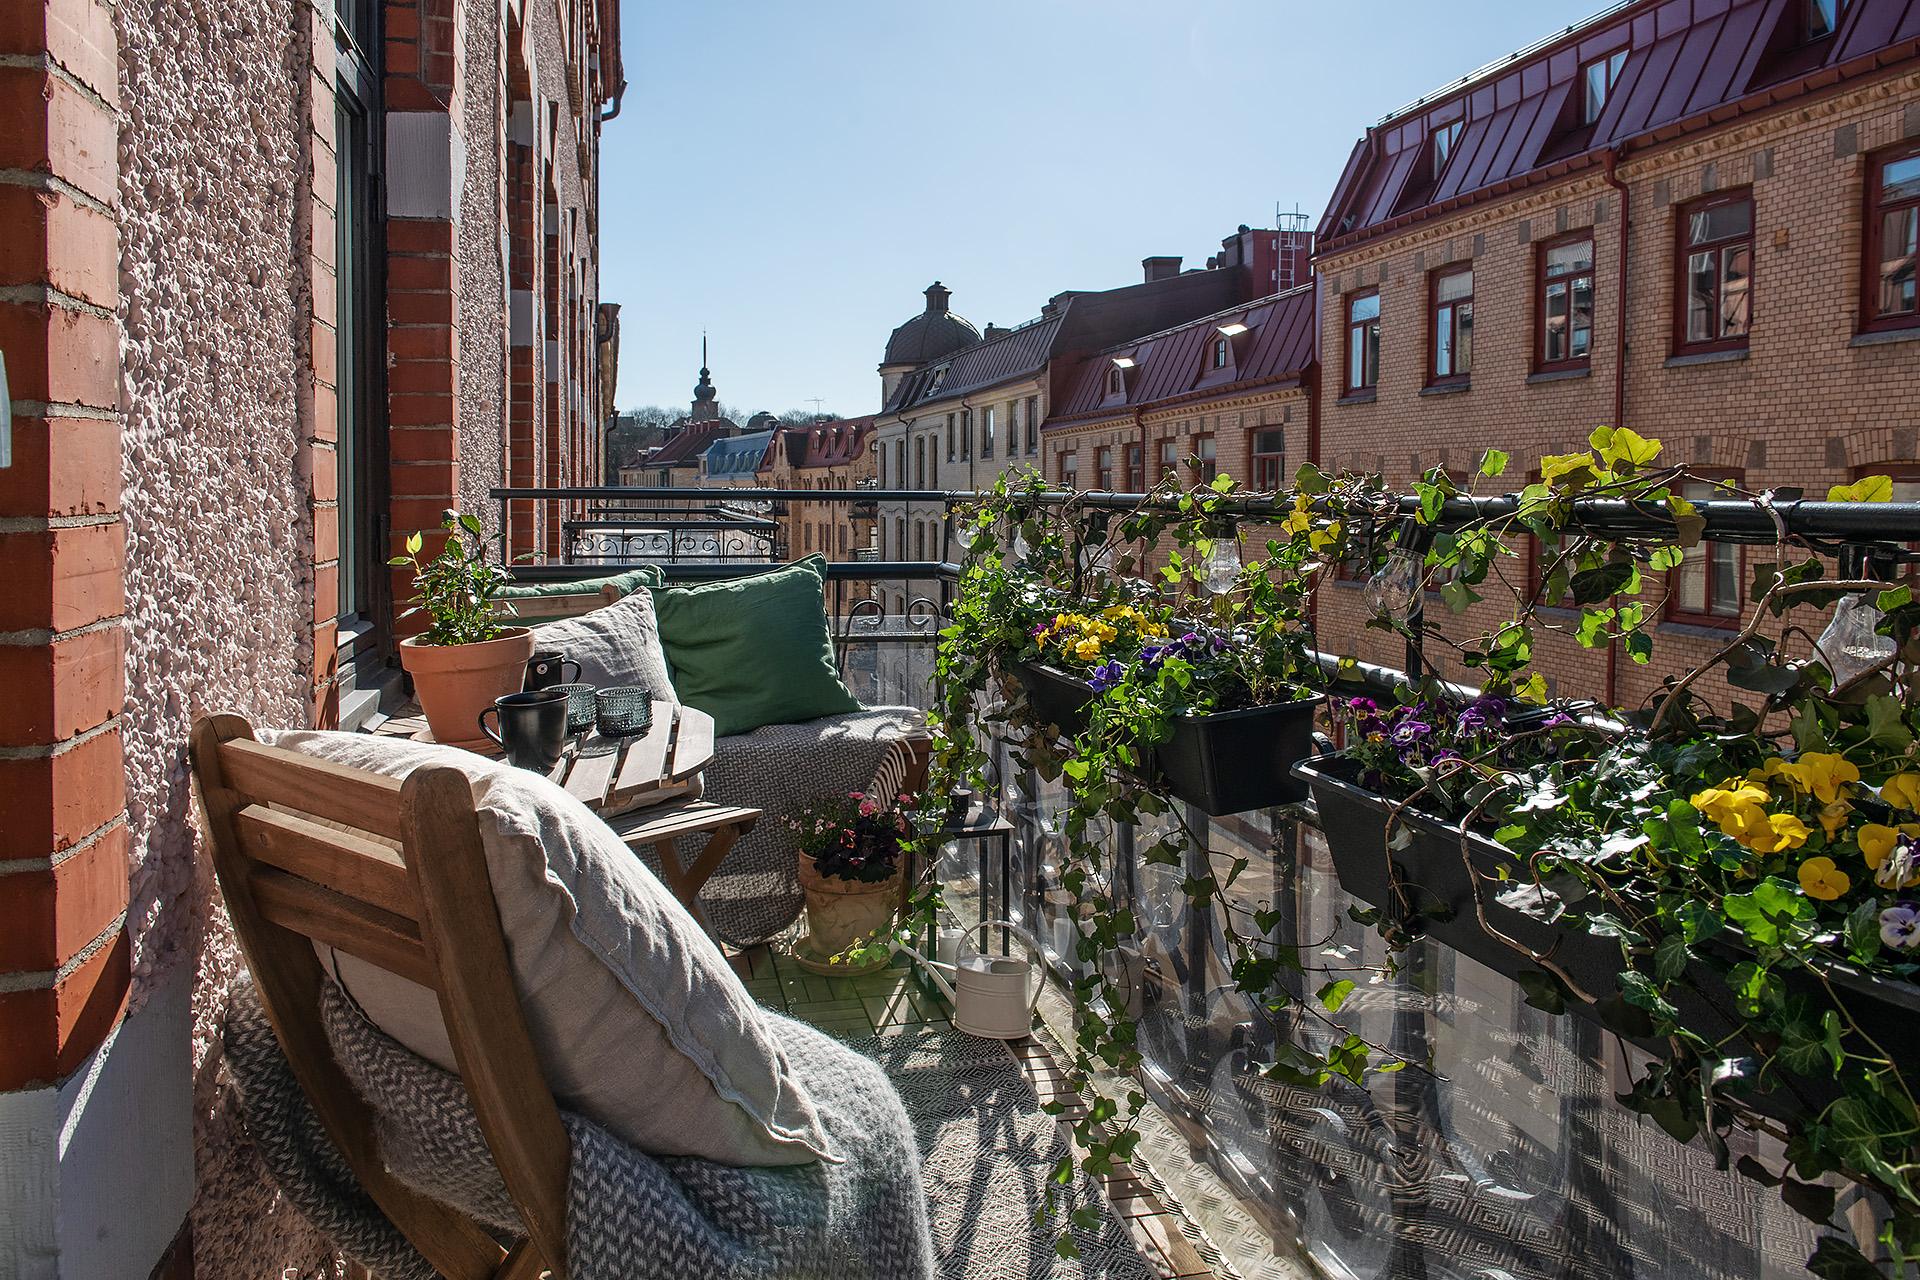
(993, 331)
(1162, 268)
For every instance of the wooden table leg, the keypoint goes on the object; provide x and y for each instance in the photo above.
(687, 881)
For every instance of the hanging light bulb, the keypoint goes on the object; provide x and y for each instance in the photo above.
(1391, 592)
(964, 533)
(1223, 565)
(1852, 643)
(1020, 548)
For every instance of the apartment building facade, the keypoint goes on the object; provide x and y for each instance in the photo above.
(826, 456)
(284, 280)
(1692, 218)
(1229, 393)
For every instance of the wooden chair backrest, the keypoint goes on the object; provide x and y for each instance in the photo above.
(426, 913)
(571, 605)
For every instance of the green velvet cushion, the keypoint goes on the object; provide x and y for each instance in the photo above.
(756, 650)
(529, 616)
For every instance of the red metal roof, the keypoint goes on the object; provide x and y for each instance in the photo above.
(1278, 347)
(1688, 63)
(830, 444)
(685, 449)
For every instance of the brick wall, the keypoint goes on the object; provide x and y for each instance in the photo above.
(64, 955)
(1805, 406)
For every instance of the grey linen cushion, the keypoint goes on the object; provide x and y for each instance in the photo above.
(638, 1020)
(615, 645)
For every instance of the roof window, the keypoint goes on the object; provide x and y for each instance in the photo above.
(1597, 79)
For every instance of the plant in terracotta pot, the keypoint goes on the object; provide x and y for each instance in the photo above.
(852, 855)
(464, 659)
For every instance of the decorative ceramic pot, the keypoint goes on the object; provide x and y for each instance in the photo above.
(456, 682)
(845, 913)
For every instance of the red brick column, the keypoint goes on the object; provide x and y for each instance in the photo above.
(63, 857)
(423, 116)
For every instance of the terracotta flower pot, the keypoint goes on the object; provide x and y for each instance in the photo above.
(841, 913)
(456, 682)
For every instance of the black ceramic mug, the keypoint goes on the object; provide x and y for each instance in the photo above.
(547, 667)
(533, 728)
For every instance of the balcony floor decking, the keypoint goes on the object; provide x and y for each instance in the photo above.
(894, 1001)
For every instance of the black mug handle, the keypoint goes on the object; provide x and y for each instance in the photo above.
(495, 713)
(575, 677)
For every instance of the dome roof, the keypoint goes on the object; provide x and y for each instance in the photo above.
(934, 333)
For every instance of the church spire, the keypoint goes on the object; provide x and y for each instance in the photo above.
(706, 401)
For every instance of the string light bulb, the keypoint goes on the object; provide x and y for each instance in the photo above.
(1852, 643)
(1223, 565)
(1391, 591)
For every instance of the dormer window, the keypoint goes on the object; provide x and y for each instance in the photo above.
(939, 376)
(1443, 139)
(1117, 376)
(1222, 352)
(1597, 80)
(1823, 17)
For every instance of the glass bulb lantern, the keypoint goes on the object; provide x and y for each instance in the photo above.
(1223, 566)
(1020, 548)
(1391, 592)
(1851, 644)
(965, 534)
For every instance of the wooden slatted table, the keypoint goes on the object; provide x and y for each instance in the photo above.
(647, 786)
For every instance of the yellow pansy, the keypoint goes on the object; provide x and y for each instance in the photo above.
(1735, 807)
(1780, 832)
(1087, 650)
(1833, 817)
(1878, 843)
(1823, 880)
(1824, 774)
(1902, 791)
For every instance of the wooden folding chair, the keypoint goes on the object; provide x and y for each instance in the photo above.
(426, 913)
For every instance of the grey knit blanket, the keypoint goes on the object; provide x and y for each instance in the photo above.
(630, 1216)
(756, 894)
(977, 1183)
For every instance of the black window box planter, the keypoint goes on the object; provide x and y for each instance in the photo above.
(1223, 762)
(1439, 904)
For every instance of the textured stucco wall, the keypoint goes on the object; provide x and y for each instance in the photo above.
(218, 535)
(483, 289)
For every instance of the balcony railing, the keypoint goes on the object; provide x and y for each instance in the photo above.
(1510, 1159)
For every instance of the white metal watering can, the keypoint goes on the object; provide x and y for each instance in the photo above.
(993, 996)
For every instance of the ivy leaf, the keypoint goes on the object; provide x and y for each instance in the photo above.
(1638, 990)
(1837, 1259)
(1868, 489)
(1862, 931)
(1767, 913)
(1886, 724)
(1310, 479)
(1459, 596)
(1689, 526)
(1623, 449)
(1895, 598)
(1335, 994)
(1568, 470)
(1543, 990)
(1811, 1200)
(1493, 463)
(1665, 558)
(1670, 958)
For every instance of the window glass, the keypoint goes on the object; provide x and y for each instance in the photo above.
(1718, 273)
(1222, 353)
(1169, 456)
(1033, 424)
(1707, 583)
(1566, 303)
(1899, 241)
(1363, 342)
(1453, 325)
(1597, 85)
(1893, 239)
(1823, 16)
(1443, 139)
(1900, 179)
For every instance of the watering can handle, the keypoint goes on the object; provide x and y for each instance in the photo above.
(1039, 970)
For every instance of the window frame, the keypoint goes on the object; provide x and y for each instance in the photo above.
(1455, 378)
(1613, 63)
(1810, 13)
(1033, 424)
(1169, 459)
(1370, 377)
(966, 435)
(1103, 467)
(364, 605)
(986, 431)
(1070, 468)
(1222, 352)
(1135, 462)
(1199, 446)
(1873, 217)
(1443, 151)
(1261, 458)
(1671, 610)
(1542, 282)
(1684, 249)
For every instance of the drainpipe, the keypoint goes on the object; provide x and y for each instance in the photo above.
(1611, 689)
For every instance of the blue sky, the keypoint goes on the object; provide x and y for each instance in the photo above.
(789, 176)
